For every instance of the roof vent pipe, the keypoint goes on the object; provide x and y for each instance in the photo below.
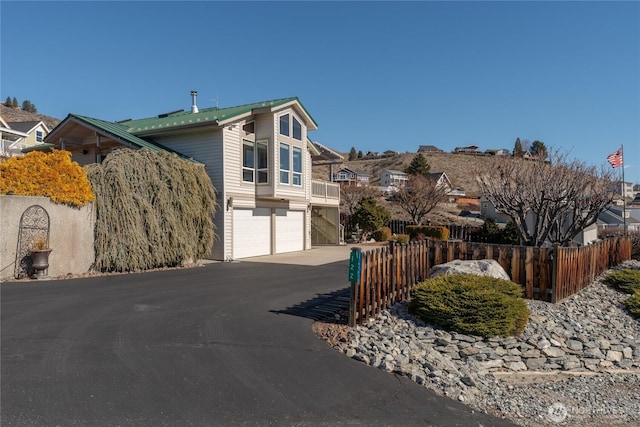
(194, 107)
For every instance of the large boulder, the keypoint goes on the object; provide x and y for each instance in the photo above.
(482, 267)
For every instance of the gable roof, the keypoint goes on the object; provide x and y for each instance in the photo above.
(394, 172)
(428, 148)
(113, 130)
(354, 171)
(214, 115)
(26, 126)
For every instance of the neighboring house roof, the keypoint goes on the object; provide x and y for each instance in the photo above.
(215, 115)
(354, 171)
(428, 148)
(27, 126)
(394, 172)
(325, 154)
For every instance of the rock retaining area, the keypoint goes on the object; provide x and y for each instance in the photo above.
(576, 363)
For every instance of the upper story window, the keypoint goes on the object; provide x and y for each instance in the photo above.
(284, 163)
(284, 125)
(255, 162)
(39, 136)
(290, 164)
(290, 126)
(297, 129)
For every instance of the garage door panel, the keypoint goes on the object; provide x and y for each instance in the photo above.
(251, 232)
(289, 231)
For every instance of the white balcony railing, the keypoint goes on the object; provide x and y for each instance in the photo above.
(325, 192)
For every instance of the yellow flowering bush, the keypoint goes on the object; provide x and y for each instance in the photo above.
(52, 175)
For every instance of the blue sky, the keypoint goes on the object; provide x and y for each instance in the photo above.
(374, 75)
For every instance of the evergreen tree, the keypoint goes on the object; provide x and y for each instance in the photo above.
(353, 154)
(28, 106)
(539, 149)
(360, 154)
(370, 216)
(517, 149)
(418, 166)
(8, 102)
(14, 102)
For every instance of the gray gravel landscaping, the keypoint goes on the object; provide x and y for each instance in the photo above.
(576, 363)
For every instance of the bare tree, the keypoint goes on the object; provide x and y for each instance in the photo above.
(350, 196)
(419, 196)
(548, 200)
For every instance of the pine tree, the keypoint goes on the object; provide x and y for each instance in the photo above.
(517, 149)
(418, 166)
(539, 149)
(14, 102)
(28, 106)
(353, 154)
(360, 154)
(8, 102)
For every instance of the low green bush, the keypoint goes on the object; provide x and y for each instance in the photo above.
(435, 232)
(474, 305)
(402, 238)
(382, 234)
(627, 280)
(632, 304)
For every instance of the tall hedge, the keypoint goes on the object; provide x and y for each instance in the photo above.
(154, 209)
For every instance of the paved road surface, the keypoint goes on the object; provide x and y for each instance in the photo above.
(224, 344)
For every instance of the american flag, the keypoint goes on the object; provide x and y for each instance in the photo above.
(615, 158)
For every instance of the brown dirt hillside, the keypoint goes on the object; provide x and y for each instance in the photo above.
(458, 167)
(18, 115)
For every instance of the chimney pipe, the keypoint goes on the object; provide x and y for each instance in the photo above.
(194, 107)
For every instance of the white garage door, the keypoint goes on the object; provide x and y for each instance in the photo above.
(289, 231)
(251, 232)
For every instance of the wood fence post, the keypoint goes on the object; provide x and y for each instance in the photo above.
(554, 274)
(393, 272)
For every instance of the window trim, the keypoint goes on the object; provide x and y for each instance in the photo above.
(286, 170)
(255, 169)
(295, 173)
(280, 127)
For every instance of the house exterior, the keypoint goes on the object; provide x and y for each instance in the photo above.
(16, 136)
(440, 178)
(346, 176)
(393, 178)
(258, 157)
(469, 149)
(625, 189)
(498, 152)
(429, 149)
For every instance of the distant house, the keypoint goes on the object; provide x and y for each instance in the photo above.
(441, 178)
(346, 176)
(17, 136)
(429, 149)
(469, 149)
(624, 189)
(498, 152)
(392, 179)
(390, 153)
(612, 218)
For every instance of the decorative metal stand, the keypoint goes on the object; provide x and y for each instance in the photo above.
(34, 225)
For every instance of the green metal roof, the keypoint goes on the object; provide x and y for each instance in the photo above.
(213, 115)
(119, 132)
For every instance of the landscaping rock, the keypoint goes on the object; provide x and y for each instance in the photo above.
(486, 267)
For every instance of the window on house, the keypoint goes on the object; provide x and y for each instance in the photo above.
(262, 162)
(249, 127)
(248, 161)
(297, 166)
(284, 163)
(38, 136)
(255, 162)
(284, 125)
(297, 129)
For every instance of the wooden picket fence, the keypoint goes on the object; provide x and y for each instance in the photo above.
(389, 273)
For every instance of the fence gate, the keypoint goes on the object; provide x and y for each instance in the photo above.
(34, 225)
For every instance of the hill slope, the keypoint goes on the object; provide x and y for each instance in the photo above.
(458, 167)
(18, 115)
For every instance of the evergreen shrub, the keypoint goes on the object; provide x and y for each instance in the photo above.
(632, 304)
(627, 280)
(153, 209)
(435, 232)
(402, 238)
(382, 234)
(473, 305)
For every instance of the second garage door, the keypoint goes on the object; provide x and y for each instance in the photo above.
(289, 231)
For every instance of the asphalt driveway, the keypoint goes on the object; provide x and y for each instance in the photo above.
(223, 344)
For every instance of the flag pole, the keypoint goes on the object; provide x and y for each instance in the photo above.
(624, 203)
